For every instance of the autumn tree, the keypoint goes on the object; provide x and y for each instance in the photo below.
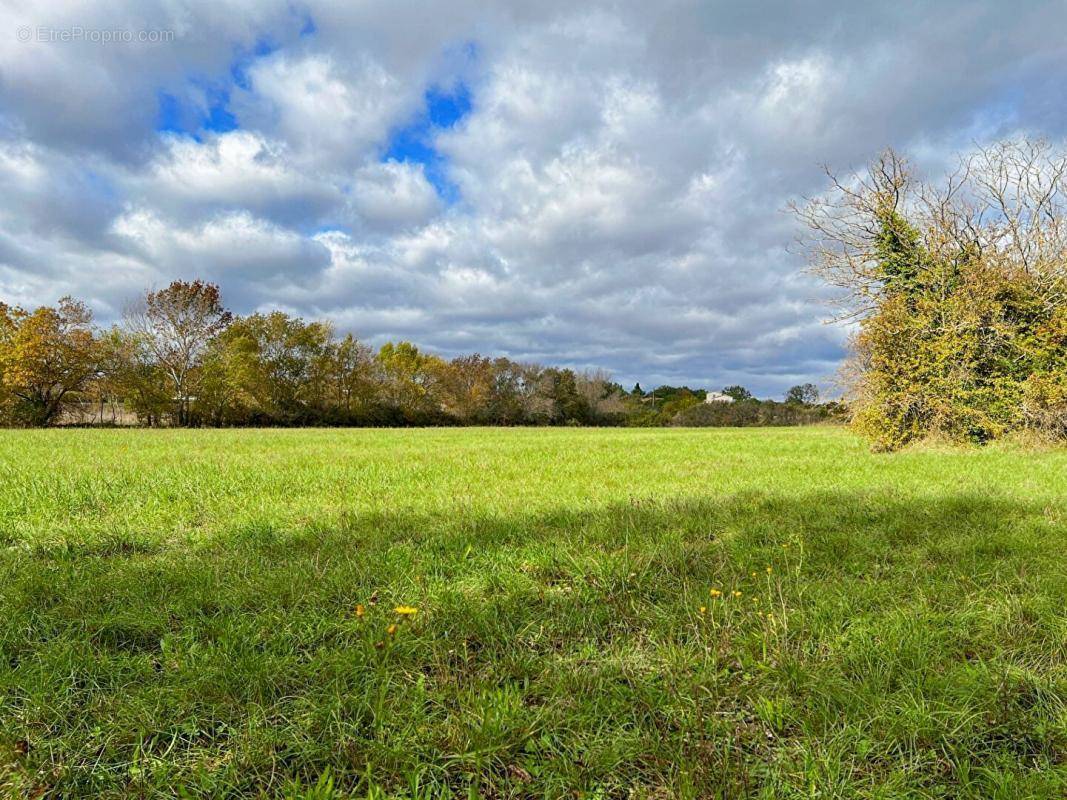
(174, 326)
(353, 376)
(130, 372)
(46, 357)
(8, 329)
(466, 386)
(565, 405)
(277, 365)
(959, 287)
(410, 380)
(513, 384)
(603, 397)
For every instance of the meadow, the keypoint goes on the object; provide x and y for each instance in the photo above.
(595, 613)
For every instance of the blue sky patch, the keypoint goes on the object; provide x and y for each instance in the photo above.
(262, 48)
(179, 115)
(414, 142)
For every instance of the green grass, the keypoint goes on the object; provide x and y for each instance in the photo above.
(179, 615)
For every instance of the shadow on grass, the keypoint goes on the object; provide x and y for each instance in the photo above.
(859, 643)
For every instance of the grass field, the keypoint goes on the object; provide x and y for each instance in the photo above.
(208, 613)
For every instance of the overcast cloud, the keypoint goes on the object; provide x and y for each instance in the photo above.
(583, 184)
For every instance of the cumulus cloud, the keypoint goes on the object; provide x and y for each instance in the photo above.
(394, 195)
(237, 249)
(237, 170)
(332, 113)
(596, 185)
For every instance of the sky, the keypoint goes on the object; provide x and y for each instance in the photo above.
(593, 185)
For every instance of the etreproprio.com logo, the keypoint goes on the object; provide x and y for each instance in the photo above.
(77, 33)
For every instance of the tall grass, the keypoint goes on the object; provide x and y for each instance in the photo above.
(600, 613)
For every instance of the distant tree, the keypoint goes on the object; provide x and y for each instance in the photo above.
(679, 401)
(806, 394)
(604, 399)
(570, 404)
(222, 395)
(46, 356)
(352, 373)
(410, 380)
(738, 393)
(755, 413)
(637, 391)
(537, 392)
(563, 402)
(131, 373)
(506, 402)
(281, 364)
(466, 384)
(175, 326)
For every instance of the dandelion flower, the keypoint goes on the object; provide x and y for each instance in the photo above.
(753, 574)
(715, 593)
(737, 593)
(406, 611)
(360, 610)
(703, 609)
(391, 630)
(768, 569)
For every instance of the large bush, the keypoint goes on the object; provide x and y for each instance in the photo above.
(959, 289)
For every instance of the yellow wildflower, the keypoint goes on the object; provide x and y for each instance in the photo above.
(703, 609)
(406, 611)
(360, 610)
(391, 630)
(768, 569)
(737, 593)
(715, 593)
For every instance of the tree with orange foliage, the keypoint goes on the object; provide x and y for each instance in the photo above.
(46, 356)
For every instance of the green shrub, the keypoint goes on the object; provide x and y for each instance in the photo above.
(960, 293)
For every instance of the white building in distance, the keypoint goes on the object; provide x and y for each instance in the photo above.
(718, 397)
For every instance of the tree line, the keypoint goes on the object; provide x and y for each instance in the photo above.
(180, 358)
(960, 290)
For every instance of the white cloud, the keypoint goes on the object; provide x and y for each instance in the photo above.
(234, 247)
(235, 170)
(394, 195)
(329, 113)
